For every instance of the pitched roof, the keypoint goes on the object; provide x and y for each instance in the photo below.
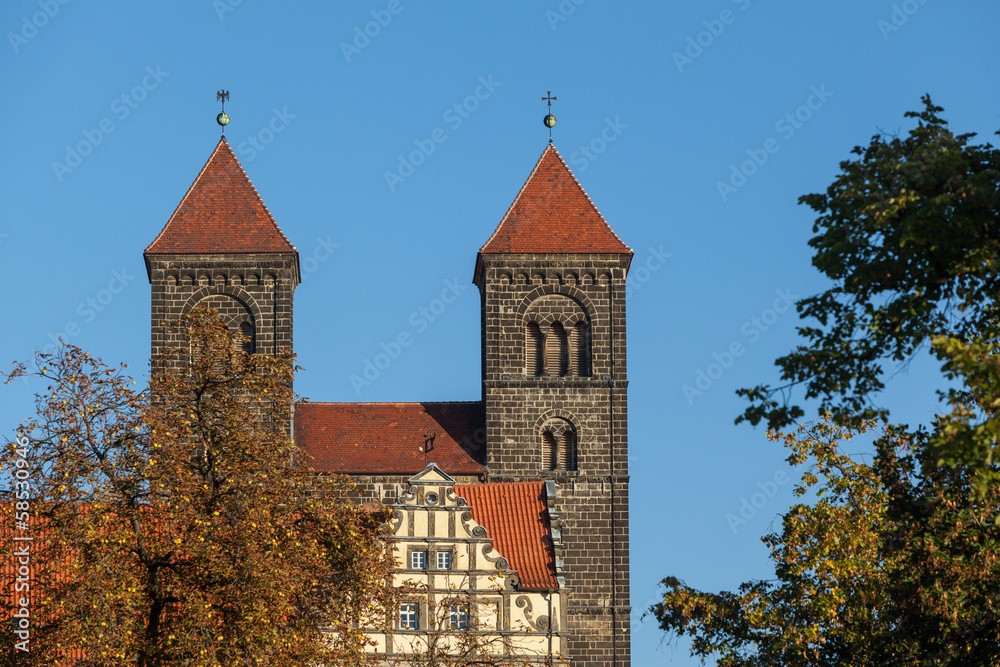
(392, 438)
(553, 214)
(222, 212)
(516, 516)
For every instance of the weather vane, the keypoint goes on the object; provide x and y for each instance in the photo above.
(223, 118)
(550, 120)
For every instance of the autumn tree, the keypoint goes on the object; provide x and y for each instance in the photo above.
(887, 562)
(178, 525)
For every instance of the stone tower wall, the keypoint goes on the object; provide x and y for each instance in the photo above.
(592, 500)
(239, 286)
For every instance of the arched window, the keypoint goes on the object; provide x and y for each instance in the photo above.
(556, 338)
(558, 445)
(533, 346)
(246, 337)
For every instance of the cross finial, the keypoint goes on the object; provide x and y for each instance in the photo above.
(223, 118)
(549, 120)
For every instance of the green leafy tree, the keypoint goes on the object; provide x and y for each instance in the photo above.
(909, 233)
(896, 561)
(178, 527)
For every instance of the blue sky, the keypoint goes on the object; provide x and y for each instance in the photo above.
(110, 115)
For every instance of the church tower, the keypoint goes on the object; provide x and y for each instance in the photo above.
(223, 248)
(552, 285)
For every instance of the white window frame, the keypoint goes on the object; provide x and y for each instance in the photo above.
(458, 617)
(409, 616)
(418, 560)
(444, 560)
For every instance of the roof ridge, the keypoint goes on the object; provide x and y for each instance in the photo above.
(392, 438)
(259, 198)
(520, 481)
(187, 193)
(598, 225)
(222, 144)
(519, 193)
(308, 402)
(587, 195)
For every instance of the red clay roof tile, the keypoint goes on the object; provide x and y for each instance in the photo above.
(516, 516)
(222, 212)
(553, 214)
(392, 438)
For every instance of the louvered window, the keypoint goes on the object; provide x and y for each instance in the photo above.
(557, 338)
(246, 337)
(549, 451)
(533, 346)
(579, 363)
(555, 351)
(558, 444)
(566, 460)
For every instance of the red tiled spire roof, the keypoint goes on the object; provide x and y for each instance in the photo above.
(516, 516)
(553, 214)
(221, 213)
(392, 438)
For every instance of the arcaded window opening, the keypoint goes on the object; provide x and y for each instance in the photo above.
(557, 338)
(558, 445)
